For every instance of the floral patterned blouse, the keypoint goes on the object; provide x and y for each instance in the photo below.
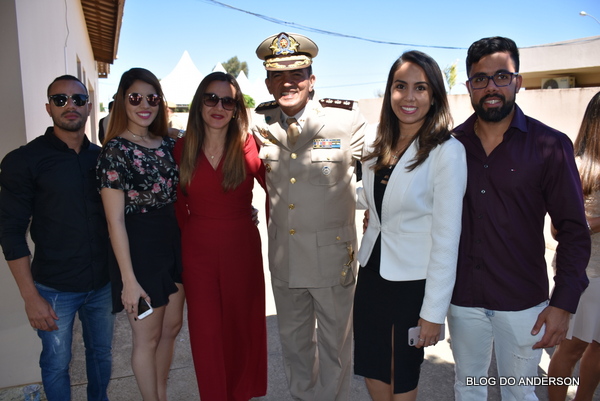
(149, 177)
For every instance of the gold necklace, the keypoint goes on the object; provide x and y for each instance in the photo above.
(395, 159)
(219, 153)
(136, 135)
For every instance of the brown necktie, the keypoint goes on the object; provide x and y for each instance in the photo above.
(293, 132)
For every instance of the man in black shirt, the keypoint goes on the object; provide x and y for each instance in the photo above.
(50, 183)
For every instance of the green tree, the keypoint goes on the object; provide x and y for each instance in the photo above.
(450, 73)
(249, 101)
(234, 66)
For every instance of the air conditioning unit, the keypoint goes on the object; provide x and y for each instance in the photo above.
(558, 83)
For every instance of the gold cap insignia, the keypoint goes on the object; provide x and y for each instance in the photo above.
(286, 51)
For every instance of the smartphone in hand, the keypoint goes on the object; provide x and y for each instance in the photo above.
(414, 332)
(144, 309)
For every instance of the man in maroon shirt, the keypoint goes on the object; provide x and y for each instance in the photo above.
(519, 170)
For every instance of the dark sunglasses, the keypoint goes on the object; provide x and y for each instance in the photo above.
(135, 99)
(211, 100)
(61, 100)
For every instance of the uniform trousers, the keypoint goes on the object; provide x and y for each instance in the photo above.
(317, 360)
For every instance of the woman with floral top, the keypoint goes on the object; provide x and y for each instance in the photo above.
(138, 179)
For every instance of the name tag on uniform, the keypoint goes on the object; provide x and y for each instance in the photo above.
(327, 143)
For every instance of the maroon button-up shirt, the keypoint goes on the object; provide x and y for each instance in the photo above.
(501, 263)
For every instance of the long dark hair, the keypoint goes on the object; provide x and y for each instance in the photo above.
(435, 129)
(234, 170)
(587, 147)
(118, 115)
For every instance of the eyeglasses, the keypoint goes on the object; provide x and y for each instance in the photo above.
(61, 100)
(211, 100)
(135, 99)
(500, 79)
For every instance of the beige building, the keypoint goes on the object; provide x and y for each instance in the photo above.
(40, 40)
(569, 71)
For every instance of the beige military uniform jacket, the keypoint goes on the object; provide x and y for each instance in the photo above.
(311, 191)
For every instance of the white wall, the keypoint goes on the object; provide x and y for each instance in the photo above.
(561, 109)
(40, 40)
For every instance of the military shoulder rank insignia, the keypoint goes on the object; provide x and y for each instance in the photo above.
(266, 105)
(338, 103)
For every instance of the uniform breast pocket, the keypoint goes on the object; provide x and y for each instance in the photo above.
(270, 156)
(326, 166)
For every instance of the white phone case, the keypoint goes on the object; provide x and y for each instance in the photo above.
(144, 309)
(413, 334)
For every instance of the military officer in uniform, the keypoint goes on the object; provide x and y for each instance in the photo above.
(309, 149)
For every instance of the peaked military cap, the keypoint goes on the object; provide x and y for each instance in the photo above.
(287, 51)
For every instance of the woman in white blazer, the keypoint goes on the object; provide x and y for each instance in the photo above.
(414, 180)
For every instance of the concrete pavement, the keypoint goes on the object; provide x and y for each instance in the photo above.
(437, 373)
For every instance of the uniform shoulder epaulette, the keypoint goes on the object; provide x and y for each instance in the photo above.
(339, 103)
(266, 105)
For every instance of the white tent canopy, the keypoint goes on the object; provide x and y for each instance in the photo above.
(180, 85)
(219, 68)
(244, 83)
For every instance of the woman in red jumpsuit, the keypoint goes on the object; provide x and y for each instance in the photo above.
(221, 249)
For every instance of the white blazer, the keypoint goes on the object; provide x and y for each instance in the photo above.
(420, 223)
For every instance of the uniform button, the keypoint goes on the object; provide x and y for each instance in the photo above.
(293, 155)
(293, 180)
(291, 206)
(338, 238)
(477, 267)
(485, 166)
(483, 191)
(292, 231)
(328, 159)
(266, 155)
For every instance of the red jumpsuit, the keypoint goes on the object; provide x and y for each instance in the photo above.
(224, 281)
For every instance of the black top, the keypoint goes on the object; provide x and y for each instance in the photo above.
(55, 187)
(381, 180)
(147, 176)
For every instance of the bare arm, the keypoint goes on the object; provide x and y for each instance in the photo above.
(594, 223)
(114, 208)
(39, 312)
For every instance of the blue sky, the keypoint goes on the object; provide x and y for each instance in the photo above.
(155, 33)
